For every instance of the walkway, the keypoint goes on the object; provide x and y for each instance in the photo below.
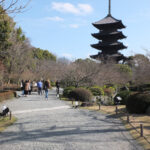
(53, 125)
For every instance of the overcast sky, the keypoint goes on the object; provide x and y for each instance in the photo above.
(64, 26)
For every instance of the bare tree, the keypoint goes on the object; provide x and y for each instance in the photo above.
(2, 70)
(19, 57)
(80, 73)
(111, 73)
(141, 69)
(13, 6)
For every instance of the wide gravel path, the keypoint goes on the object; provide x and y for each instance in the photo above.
(53, 125)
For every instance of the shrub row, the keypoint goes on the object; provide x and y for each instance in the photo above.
(7, 95)
(138, 103)
(10, 87)
(135, 102)
(95, 90)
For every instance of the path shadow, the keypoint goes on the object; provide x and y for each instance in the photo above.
(50, 132)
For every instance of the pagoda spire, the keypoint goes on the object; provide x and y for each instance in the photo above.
(109, 9)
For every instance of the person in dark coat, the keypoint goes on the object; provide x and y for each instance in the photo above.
(22, 86)
(26, 88)
(46, 87)
(57, 87)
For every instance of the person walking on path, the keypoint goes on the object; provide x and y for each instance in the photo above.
(43, 87)
(26, 91)
(22, 87)
(57, 87)
(46, 87)
(40, 85)
(30, 87)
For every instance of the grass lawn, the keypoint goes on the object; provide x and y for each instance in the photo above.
(5, 122)
(133, 126)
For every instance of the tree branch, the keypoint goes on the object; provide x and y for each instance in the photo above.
(12, 6)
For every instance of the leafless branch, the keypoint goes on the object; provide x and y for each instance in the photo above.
(12, 6)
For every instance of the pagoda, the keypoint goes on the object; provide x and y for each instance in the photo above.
(108, 37)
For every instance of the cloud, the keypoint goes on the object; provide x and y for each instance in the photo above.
(80, 9)
(86, 8)
(74, 26)
(56, 18)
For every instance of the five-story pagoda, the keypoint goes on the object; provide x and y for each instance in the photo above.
(108, 37)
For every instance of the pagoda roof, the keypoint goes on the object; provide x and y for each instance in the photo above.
(109, 48)
(107, 45)
(107, 34)
(101, 56)
(109, 21)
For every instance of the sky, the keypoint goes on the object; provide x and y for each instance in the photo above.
(64, 27)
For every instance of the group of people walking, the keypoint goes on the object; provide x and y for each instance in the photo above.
(42, 87)
(26, 87)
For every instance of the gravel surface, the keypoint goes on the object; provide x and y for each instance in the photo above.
(53, 125)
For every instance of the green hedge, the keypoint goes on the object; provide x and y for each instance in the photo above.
(81, 94)
(7, 95)
(67, 90)
(96, 90)
(138, 103)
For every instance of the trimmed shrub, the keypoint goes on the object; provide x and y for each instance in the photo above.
(96, 90)
(124, 95)
(67, 90)
(109, 91)
(10, 87)
(81, 94)
(140, 88)
(138, 103)
(7, 95)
